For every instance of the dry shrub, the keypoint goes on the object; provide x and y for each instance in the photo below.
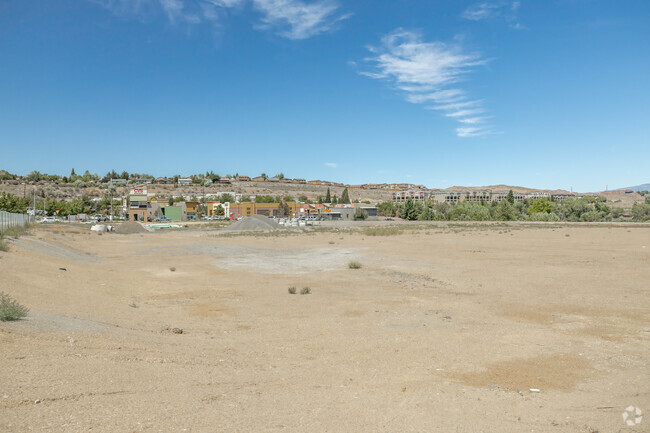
(10, 309)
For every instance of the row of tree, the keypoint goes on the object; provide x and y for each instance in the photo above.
(87, 177)
(591, 209)
(52, 206)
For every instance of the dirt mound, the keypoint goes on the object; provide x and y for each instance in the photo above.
(130, 227)
(256, 223)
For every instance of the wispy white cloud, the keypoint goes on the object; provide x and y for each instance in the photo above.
(296, 19)
(471, 131)
(430, 73)
(481, 11)
(293, 19)
(176, 11)
(503, 9)
(331, 165)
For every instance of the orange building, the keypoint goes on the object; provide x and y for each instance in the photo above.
(269, 209)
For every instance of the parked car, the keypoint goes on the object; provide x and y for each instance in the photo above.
(163, 219)
(49, 219)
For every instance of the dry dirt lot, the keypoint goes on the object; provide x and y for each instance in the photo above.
(443, 329)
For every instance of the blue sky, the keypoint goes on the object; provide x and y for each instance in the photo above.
(546, 94)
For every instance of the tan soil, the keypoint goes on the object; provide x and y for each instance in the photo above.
(443, 329)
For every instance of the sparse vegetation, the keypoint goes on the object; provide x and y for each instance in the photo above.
(354, 265)
(292, 290)
(10, 309)
(173, 269)
(16, 231)
(360, 214)
(305, 291)
(579, 209)
(4, 247)
(382, 231)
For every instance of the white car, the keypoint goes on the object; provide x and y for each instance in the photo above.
(49, 220)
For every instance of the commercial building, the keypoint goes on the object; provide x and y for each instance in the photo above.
(175, 213)
(138, 204)
(191, 209)
(369, 209)
(214, 205)
(269, 209)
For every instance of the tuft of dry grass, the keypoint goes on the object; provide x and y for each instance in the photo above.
(10, 309)
(16, 231)
(382, 231)
(354, 265)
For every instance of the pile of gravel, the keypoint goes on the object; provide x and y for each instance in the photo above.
(254, 223)
(130, 227)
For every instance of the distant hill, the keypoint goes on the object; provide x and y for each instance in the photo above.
(504, 188)
(644, 187)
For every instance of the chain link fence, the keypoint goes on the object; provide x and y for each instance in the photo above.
(8, 219)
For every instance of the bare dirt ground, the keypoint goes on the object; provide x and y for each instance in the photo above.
(443, 329)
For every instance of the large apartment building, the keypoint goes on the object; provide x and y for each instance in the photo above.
(472, 196)
(402, 196)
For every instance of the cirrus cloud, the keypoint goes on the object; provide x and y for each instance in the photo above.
(293, 19)
(430, 73)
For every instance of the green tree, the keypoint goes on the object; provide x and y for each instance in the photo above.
(5, 175)
(409, 210)
(328, 197)
(280, 176)
(345, 197)
(284, 209)
(511, 197)
(11, 203)
(264, 176)
(360, 214)
(541, 205)
(641, 212)
(387, 209)
(34, 176)
(505, 211)
(265, 199)
(469, 211)
(226, 198)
